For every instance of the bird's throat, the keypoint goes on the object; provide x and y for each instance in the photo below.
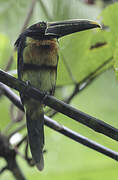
(41, 52)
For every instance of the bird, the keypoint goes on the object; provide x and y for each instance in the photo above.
(37, 61)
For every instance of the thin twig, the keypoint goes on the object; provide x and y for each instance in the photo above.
(27, 19)
(22, 140)
(29, 15)
(89, 121)
(68, 69)
(18, 129)
(46, 12)
(87, 81)
(10, 156)
(16, 171)
(3, 169)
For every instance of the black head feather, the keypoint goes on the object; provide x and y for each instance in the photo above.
(37, 31)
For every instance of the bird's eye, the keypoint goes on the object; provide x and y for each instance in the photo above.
(42, 24)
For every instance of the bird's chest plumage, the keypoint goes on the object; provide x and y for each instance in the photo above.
(43, 54)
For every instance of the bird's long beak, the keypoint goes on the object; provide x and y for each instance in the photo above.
(63, 28)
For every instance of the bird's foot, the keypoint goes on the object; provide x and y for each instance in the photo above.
(24, 92)
(45, 94)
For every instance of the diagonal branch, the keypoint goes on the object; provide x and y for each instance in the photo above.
(68, 133)
(11, 95)
(81, 139)
(91, 122)
(87, 80)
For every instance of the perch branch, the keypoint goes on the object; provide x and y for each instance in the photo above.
(91, 122)
(69, 133)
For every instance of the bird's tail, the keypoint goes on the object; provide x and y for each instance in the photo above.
(35, 126)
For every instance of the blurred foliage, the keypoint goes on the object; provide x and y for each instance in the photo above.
(5, 46)
(66, 159)
(116, 61)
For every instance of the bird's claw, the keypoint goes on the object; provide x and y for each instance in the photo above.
(45, 94)
(24, 92)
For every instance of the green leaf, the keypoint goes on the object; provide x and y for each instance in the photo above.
(81, 53)
(110, 16)
(5, 49)
(81, 58)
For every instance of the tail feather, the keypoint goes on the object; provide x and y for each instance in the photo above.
(35, 126)
(40, 165)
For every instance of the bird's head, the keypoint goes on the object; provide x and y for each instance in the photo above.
(51, 30)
